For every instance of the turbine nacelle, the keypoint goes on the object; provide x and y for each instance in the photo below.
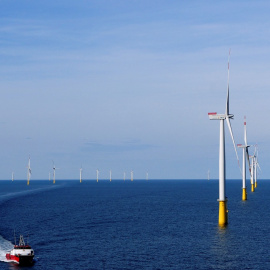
(242, 146)
(216, 116)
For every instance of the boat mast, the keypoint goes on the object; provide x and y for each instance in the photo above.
(21, 243)
(14, 237)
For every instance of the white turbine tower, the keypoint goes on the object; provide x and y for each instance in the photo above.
(81, 174)
(255, 171)
(245, 157)
(29, 172)
(256, 165)
(223, 211)
(54, 168)
(110, 175)
(252, 173)
(97, 174)
(146, 175)
(124, 176)
(12, 176)
(208, 175)
(131, 175)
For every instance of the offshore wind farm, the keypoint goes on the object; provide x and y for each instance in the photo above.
(112, 100)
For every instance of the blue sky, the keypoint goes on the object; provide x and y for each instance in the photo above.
(127, 85)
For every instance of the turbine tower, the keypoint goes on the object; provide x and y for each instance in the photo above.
(12, 176)
(223, 211)
(49, 176)
(110, 175)
(124, 176)
(252, 173)
(256, 165)
(97, 175)
(131, 175)
(245, 157)
(255, 171)
(29, 172)
(54, 173)
(81, 174)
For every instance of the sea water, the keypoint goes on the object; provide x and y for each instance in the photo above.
(154, 224)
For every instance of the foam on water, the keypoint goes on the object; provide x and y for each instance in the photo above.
(5, 246)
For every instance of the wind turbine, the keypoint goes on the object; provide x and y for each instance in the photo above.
(124, 176)
(54, 173)
(131, 175)
(255, 171)
(97, 175)
(208, 175)
(110, 175)
(29, 172)
(252, 173)
(146, 175)
(245, 157)
(12, 176)
(81, 174)
(256, 164)
(223, 211)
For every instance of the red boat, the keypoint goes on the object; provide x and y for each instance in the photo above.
(21, 254)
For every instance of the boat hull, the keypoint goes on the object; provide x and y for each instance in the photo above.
(20, 259)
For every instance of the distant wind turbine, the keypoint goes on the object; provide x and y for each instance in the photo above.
(223, 210)
(256, 165)
(146, 175)
(124, 176)
(252, 173)
(131, 176)
(110, 175)
(54, 168)
(81, 174)
(255, 171)
(29, 172)
(97, 174)
(12, 176)
(208, 174)
(245, 158)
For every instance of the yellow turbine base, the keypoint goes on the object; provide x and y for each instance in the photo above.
(97, 180)
(53, 181)
(28, 183)
(255, 184)
(252, 188)
(244, 195)
(223, 213)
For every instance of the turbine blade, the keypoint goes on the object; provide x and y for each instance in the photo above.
(227, 102)
(259, 166)
(247, 156)
(230, 129)
(245, 130)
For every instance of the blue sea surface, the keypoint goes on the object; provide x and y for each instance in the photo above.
(155, 224)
